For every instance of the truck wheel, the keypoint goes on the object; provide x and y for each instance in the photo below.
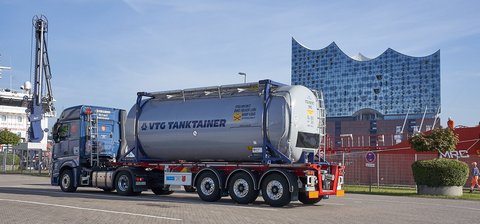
(275, 190)
(189, 189)
(302, 197)
(208, 188)
(66, 181)
(161, 191)
(240, 188)
(124, 183)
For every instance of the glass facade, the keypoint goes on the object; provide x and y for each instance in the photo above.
(391, 84)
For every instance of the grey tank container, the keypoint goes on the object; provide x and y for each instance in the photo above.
(225, 123)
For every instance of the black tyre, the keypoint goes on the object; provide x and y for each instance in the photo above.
(275, 190)
(302, 197)
(124, 183)
(241, 188)
(66, 181)
(208, 187)
(161, 191)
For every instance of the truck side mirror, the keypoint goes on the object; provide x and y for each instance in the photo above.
(55, 133)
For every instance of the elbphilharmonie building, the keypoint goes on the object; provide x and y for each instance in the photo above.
(384, 92)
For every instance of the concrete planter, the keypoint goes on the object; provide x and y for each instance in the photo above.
(442, 190)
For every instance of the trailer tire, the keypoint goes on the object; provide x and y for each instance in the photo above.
(302, 197)
(208, 187)
(275, 190)
(124, 183)
(66, 181)
(189, 189)
(241, 188)
(161, 191)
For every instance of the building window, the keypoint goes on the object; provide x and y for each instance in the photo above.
(3, 118)
(19, 119)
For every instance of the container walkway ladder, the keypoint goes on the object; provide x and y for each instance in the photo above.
(93, 137)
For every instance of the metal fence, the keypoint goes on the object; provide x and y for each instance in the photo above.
(23, 161)
(388, 169)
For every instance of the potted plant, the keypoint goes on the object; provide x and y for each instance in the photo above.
(438, 176)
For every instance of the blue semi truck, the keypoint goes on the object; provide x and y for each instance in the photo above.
(236, 140)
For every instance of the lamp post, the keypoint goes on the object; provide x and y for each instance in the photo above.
(244, 76)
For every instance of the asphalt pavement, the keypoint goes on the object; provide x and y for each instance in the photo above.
(29, 199)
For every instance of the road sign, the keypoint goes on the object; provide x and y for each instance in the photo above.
(372, 165)
(370, 157)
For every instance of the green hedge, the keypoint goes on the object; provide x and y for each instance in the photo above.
(440, 172)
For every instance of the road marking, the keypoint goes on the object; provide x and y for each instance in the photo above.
(140, 198)
(90, 209)
(330, 203)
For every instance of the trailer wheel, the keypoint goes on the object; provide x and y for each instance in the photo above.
(189, 189)
(208, 187)
(302, 197)
(241, 190)
(161, 191)
(66, 181)
(124, 183)
(275, 190)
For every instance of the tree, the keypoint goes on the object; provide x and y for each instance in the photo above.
(432, 174)
(440, 140)
(9, 138)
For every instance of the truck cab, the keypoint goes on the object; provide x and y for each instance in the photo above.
(85, 137)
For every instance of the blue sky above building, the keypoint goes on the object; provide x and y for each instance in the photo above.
(103, 52)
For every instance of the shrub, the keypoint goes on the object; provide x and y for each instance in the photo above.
(9, 138)
(10, 158)
(440, 172)
(439, 139)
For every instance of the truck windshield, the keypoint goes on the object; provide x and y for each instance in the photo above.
(69, 130)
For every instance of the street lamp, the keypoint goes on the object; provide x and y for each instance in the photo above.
(244, 76)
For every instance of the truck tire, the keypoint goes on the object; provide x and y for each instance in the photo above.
(208, 187)
(124, 183)
(66, 181)
(241, 188)
(302, 197)
(161, 191)
(275, 190)
(189, 189)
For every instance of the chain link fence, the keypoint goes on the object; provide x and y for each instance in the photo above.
(23, 161)
(388, 168)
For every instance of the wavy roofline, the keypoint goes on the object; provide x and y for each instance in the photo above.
(370, 59)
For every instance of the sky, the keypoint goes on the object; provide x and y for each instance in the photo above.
(102, 52)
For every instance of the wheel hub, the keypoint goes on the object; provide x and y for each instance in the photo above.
(274, 190)
(207, 186)
(240, 188)
(123, 183)
(66, 181)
